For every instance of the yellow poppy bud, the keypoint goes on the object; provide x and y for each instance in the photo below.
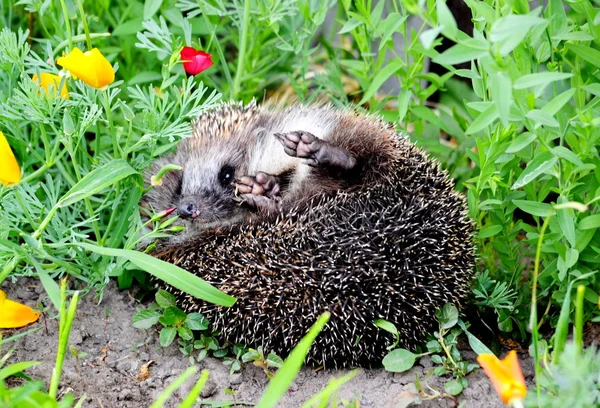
(14, 314)
(505, 375)
(47, 79)
(90, 66)
(10, 173)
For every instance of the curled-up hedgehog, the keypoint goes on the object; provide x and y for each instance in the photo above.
(308, 209)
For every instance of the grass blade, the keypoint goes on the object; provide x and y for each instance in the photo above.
(171, 274)
(164, 396)
(290, 368)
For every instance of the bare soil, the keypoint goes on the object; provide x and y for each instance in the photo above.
(112, 354)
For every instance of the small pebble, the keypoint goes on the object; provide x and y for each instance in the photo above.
(75, 337)
(365, 402)
(426, 362)
(209, 388)
(125, 394)
(235, 379)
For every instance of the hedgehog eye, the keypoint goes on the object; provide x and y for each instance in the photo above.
(226, 175)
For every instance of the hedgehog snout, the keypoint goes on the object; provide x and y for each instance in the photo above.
(188, 209)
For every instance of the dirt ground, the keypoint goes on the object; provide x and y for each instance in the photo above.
(108, 374)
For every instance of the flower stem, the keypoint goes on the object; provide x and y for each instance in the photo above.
(88, 39)
(242, 51)
(67, 23)
(533, 321)
(578, 330)
(111, 127)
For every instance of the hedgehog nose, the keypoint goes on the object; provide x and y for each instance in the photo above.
(187, 210)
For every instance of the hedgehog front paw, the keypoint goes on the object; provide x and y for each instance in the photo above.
(262, 192)
(315, 151)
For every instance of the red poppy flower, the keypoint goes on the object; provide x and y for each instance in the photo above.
(195, 61)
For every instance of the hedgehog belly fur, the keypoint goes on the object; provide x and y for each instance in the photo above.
(396, 250)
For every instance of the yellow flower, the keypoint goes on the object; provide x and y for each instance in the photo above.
(10, 173)
(505, 375)
(14, 314)
(47, 79)
(90, 66)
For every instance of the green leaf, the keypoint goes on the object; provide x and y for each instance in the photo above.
(427, 37)
(403, 101)
(557, 103)
(476, 344)
(542, 78)
(165, 299)
(144, 77)
(458, 54)
(135, 189)
(171, 274)
(96, 181)
(467, 73)
(274, 361)
(574, 36)
(567, 225)
(350, 25)
(447, 315)
(484, 119)
(568, 155)
(489, 231)
(16, 368)
(428, 115)
(145, 319)
(594, 89)
(533, 207)
(382, 76)
(50, 286)
(500, 85)
(392, 23)
(150, 8)
(453, 387)
(167, 335)
(185, 333)
(521, 142)
(542, 118)
(446, 19)
(280, 383)
(511, 30)
(590, 222)
(172, 316)
(390, 328)
(540, 164)
(586, 53)
(433, 346)
(196, 321)
(399, 360)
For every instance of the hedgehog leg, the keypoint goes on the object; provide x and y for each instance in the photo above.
(317, 152)
(262, 191)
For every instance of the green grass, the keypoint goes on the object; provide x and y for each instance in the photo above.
(518, 129)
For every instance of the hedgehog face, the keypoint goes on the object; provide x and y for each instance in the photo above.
(203, 192)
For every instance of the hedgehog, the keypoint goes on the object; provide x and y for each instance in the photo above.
(300, 210)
